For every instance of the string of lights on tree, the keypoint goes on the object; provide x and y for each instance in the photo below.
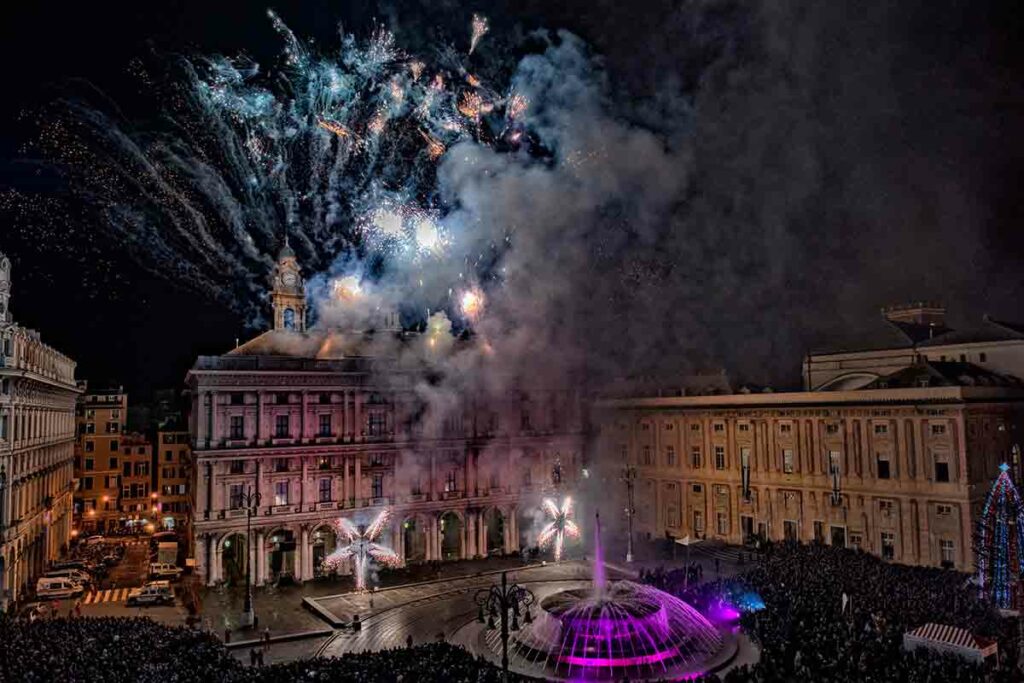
(999, 541)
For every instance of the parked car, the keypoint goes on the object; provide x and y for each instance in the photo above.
(93, 540)
(153, 593)
(82, 565)
(111, 560)
(164, 570)
(58, 587)
(76, 575)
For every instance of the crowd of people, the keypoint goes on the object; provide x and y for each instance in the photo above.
(109, 649)
(833, 614)
(141, 651)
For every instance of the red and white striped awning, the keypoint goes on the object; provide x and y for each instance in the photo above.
(945, 637)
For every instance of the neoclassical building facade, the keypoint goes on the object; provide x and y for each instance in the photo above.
(322, 425)
(37, 432)
(900, 471)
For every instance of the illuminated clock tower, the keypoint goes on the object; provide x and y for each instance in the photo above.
(289, 294)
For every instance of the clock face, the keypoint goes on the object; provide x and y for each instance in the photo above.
(289, 279)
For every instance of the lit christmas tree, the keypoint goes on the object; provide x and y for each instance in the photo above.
(999, 542)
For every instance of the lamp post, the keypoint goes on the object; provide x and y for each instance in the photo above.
(629, 478)
(498, 602)
(251, 500)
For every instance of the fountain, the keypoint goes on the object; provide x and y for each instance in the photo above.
(616, 630)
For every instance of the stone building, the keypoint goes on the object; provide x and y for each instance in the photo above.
(322, 425)
(899, 467)
(138, 501)
(100, 415)
(37, 433)
(173, 471)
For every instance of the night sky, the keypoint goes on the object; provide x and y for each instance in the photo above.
(842, 156)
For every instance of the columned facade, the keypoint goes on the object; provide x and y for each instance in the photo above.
(329, 438)
(901, 473)
(37, 432)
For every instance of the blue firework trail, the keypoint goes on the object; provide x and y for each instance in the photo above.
(340, 149)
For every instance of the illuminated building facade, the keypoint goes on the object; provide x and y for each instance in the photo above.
(37, 434)
(138, 501)
(100, 416)
(322, 428)
(898, 466)
(173, 478)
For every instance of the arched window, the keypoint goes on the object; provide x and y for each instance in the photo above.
(289, 319)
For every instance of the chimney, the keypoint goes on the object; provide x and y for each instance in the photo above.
(924, 313)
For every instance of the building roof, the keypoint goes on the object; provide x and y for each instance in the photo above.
(323, 344)
(895, 335)
(944, 374)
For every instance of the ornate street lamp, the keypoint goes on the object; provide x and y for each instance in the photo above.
(251, 500)
(498, 602)
(628, 476)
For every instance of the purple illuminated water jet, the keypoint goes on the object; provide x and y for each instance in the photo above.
(617, 630)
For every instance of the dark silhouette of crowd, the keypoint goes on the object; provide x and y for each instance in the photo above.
(433, 662)
(805, 633)
(109, 649)
(113, 650)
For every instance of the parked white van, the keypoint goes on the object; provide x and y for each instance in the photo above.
(76, 575)
(58, 587)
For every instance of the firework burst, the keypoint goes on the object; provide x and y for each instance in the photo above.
(479, 27)
(362, 547)
(559, 528)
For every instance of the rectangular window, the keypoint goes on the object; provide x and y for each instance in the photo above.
(451, 481)
(325, 490)
(90, 446)
(89, 464)
(325, 424)
(168, 456)
(698, 488)
(87, 483)
(833, 462)
(695, 459)
(743, 426)
(113, 445)
(281, 493)
(832, 428)
(856, 541)
(127, 469)
(670, 456)
(698, 521)
(237, 399)
(722, 523)
(695, 427)
(235, 497)
(377, 424)
(719, 457)
(948, 551)
(787, 460)
(647, 459)
(281, 465)
(941, 471)
(881, 428)
(883, 466)
(888, 545)
(938, 429)
(237, 427)
(281, 426)
(718, 427)
(237, 467)
(785, 427)
(378, 486)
